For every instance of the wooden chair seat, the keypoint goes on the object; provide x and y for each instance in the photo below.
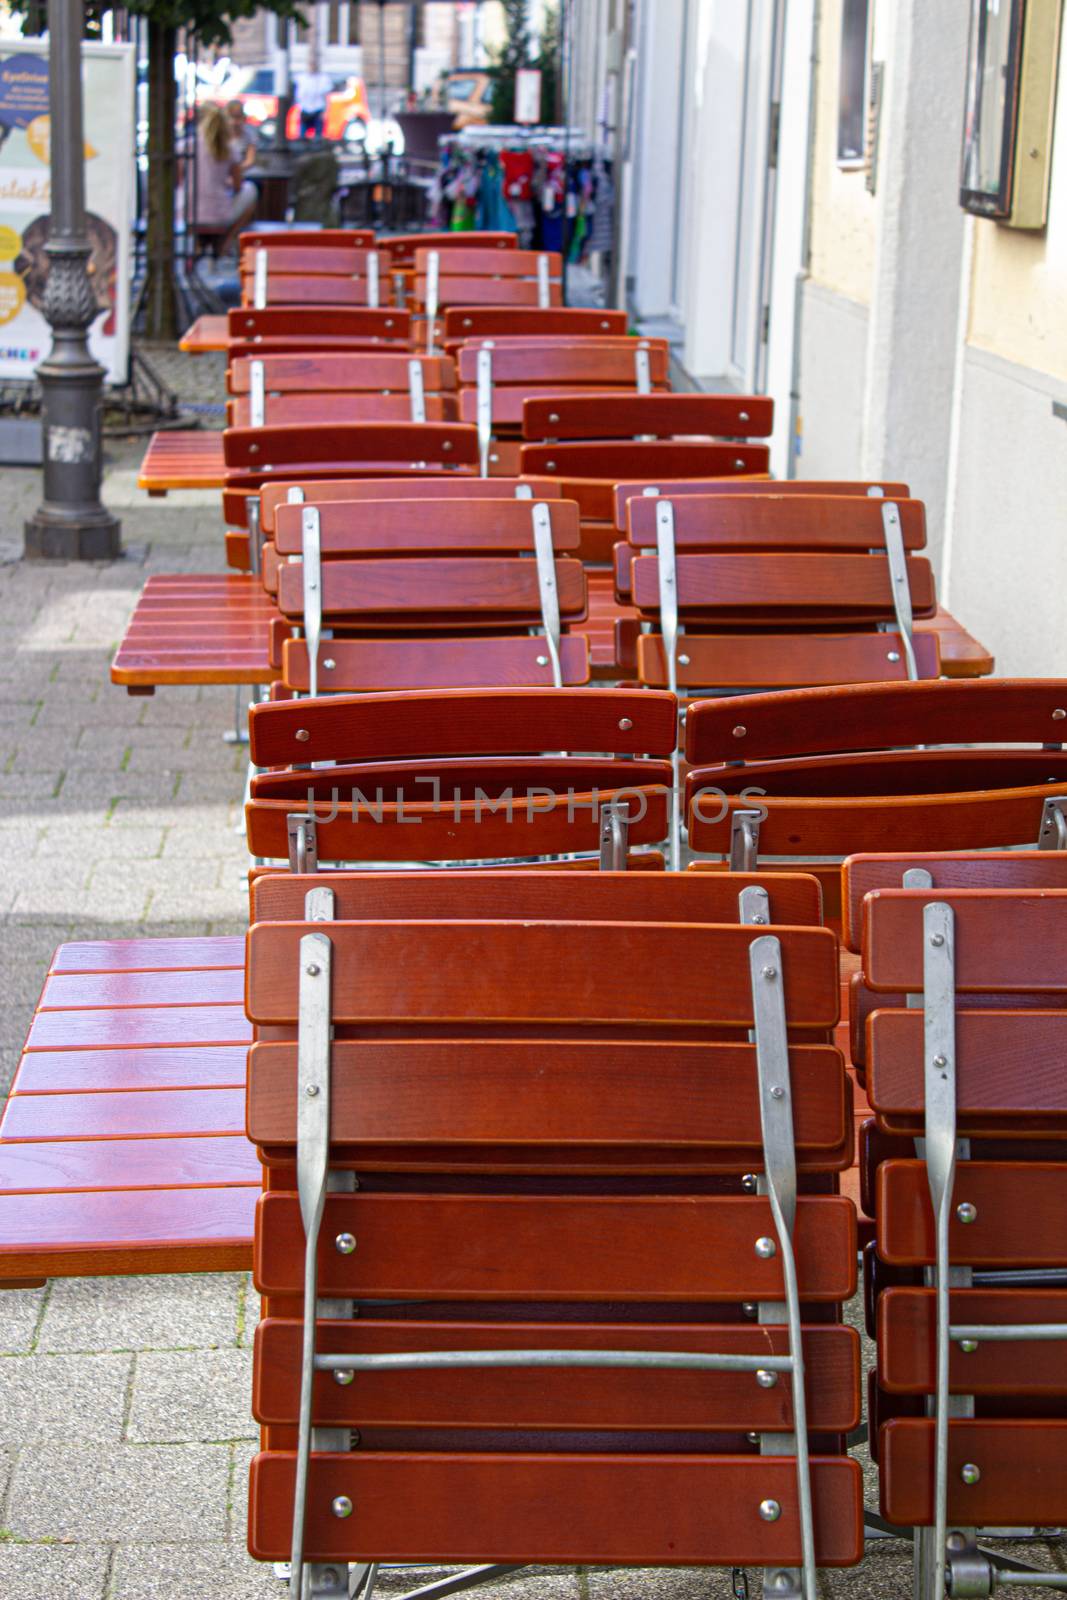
(402, 247)
(385, 327)
(310, 240)
(298, 287)
(331, 409)
(469, 1508)
(486, 321)
(122, 1145)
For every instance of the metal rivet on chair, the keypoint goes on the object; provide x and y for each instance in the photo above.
(345, 1243)
(625, 723)
(769, 973)
(344, 1376)
(311, 1089)
(542, 661)
(937, 940)
(749, 1182)
(253, 449)
(966, 1212)
(550, 466)
(753, 1438)
(894, 655)
(749, 1308)
(969, 1346)
(553, 416)
(739, 464)
(446, 444)
(329, 663)
(683, 661)
(302, 735)
(766, 1379)
(742, 416)
(740, 731)
(766, 1248)
(969, 1472)
(342, 1506)
(770, 1510)
(1058, 715)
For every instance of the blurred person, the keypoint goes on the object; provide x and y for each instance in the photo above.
(242, 135)
(222, 195)
(312, 89)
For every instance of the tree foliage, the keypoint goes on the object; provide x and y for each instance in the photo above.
(517, 52)
(512, 54)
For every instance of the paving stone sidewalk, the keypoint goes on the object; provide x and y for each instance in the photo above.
(125, 1432)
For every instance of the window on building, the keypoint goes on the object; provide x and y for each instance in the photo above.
(852, 84)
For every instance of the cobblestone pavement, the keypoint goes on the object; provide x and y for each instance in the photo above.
(124, 1403)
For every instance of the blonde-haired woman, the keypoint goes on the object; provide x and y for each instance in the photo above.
(221, 195)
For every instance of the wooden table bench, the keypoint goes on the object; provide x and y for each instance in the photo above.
(122, 1145)
(197, 628)
(182, 458)
(207, 333)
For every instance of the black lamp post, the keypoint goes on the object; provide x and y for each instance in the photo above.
(71, 523)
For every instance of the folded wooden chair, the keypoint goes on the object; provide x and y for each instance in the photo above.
(192, 459)
(593, 436)
(775, 591)
(812, 774)
(473, 277)
(460, 775)
(969, 1421)
(961, 655)
(279, 273)
(301, 451)
(427, 593)
(401, 249)
(544, 1362)
(333, 387)
(497, 376)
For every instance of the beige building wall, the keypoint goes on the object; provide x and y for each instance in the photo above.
(1019, 285)
(842, 211)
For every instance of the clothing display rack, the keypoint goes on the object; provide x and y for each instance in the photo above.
(553, 186)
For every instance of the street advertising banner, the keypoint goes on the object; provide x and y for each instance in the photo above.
(25, 202)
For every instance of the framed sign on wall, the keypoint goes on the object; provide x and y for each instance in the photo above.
(1008, 113)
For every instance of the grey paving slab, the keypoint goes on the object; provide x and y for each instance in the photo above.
(20, 1313)
(183, 1311)
(191, 1395)
(179, 1572)
(530, 1583)
(135, 1492)
(52, 1398)
(54, 1571)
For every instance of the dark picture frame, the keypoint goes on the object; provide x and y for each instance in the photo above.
(991, 108)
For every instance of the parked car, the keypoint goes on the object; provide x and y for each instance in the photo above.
(467, 93)
(347, 107)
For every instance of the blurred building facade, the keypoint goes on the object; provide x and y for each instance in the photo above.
(790, 215)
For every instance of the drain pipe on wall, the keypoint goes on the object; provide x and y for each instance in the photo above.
(963, 320)
(805, 271)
